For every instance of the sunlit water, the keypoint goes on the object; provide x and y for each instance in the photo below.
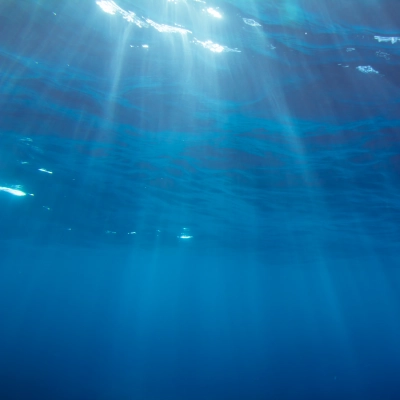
(199, 200)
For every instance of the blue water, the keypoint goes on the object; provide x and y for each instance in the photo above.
(199, 200)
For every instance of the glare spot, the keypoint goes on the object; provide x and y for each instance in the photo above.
(185, 234)
(392, 39)
(215, 47)
(131, 17)
(214, 12)
(166, 28)
(15, 192)
(367, 70)
(108, 6)
(251, 22)
(45, 170)
(145, 46)
(185, 237)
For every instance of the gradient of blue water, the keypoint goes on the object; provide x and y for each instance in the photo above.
(279, 163)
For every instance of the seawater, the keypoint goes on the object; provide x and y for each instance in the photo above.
(199, 200)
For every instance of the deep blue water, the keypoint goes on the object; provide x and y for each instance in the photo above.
(199, 200)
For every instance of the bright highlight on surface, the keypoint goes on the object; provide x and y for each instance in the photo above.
(112, 8)
(185, 237)
(15, 192)
(108, 6)
(45, 170)
(251, 22)
(215, 47)
(392, 39)
(166, 28)
(214, 12)
(367, 70)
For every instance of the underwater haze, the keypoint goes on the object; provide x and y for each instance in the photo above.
(199, 199)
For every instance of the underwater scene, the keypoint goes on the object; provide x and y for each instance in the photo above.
(199, 200)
